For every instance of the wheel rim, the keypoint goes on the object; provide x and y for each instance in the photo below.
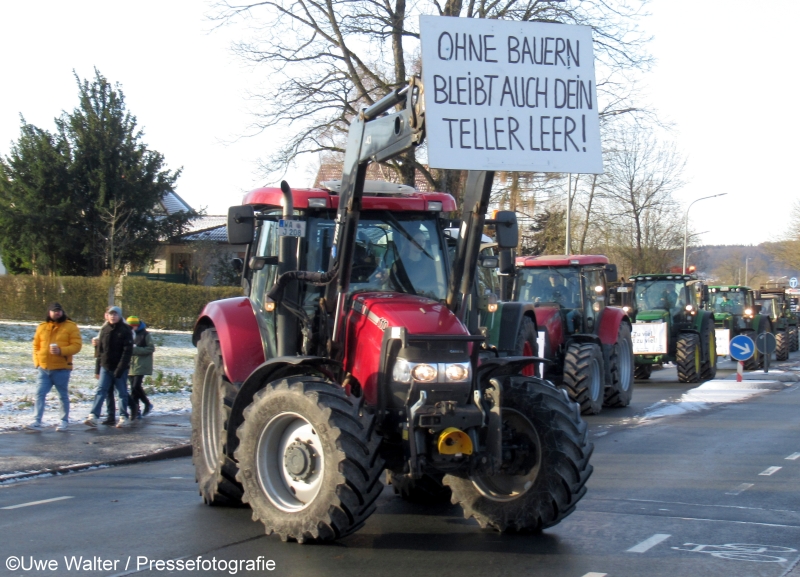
(596, 380)
(290, 462)
(211, 424)
(506, 487)
(625, 364)
(527, 351)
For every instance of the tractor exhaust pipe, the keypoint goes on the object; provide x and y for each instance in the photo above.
(286, 324)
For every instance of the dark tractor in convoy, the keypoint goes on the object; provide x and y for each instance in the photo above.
(587, 343)
(672, 325)
(783, 313)
(350, 356)
(736, 313)
(772, 307)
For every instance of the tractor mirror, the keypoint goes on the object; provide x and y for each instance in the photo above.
(489, 262)
(259, 262)
(506, 229)
(237, 264)
(506, 261)
(241, 224)
(611, 272)
(705, 294)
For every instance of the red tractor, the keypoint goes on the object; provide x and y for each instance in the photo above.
(588, 343)
(350, 356)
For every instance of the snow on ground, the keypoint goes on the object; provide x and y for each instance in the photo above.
(169, 387)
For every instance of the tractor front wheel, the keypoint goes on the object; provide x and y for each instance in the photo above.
(642, 372)
(781, 346)
(794, 340)
(545, 467)
(308, 460)
(583, 376)
(708, 365)
(215, 472)
(620, 390)
(526, 344)
(687, 357)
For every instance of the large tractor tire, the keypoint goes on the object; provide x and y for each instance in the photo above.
(781, 346)
(583, 376)
(547, 465)
(308, 460)
(620, 390)
(753, 362)
(526, 344)
(708, 338)
(794, 339)
(687, 357)
(642, 372)
(215, 472)
(427, 490)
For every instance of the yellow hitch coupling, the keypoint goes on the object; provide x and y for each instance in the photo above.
(453, 441)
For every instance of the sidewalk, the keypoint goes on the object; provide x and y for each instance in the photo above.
(26, 454)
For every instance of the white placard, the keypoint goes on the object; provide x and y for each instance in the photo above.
(649, 338)
(540, 344)
(292, 228)
(505, 95)
(723, 342)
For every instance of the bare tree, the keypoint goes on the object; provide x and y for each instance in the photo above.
(325, 60)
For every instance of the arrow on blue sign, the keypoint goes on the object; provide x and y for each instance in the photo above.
(742, 347)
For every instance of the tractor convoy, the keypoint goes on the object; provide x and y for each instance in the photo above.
(354, 353)
(736, 313)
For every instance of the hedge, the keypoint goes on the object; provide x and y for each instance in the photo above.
(162, 305)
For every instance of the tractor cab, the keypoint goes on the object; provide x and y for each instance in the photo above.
(735, 313)
(671, 298)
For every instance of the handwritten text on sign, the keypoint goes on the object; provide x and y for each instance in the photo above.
(502, 95)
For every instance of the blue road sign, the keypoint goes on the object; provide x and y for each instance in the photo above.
(793, 282)
(742, 347)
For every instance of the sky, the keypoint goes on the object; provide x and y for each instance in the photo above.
(722, 79)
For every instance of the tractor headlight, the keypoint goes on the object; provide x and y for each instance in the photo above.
(748, 312)
(424, 373)
(402, 371)
(457, 372)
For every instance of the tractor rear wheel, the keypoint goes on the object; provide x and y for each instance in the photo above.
(546, 465)
(781, 346)
(753, 362)
(620, 390)
(687, 357)
(794, 339)
(427, 490)
(526, 344)
(308, 460)
(215, 472)
(583, 376)
(708, 336)
(642, 372)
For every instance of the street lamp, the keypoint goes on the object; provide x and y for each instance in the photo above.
(686, 227)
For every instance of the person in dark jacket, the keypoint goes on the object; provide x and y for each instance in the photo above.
(114, 348)
(141, 365)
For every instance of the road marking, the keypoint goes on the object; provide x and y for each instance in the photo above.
(770, 471)
(176, 477)
(595, 575)
(649, 543)
(793, 457)
(740, 489)
(32, 503)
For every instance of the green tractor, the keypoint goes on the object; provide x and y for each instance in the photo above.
(785, 310)
(670, 324)
(736, 313)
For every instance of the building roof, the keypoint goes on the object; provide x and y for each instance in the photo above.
(171, 203)
(333, 171)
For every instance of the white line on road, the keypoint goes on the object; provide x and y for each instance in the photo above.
(595, 575)
(740, 489)
(793, 457)
(770, 471)
(32, 503)
(648, 543)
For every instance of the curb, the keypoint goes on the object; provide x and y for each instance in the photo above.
(160, 455)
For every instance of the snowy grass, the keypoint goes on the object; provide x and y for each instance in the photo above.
(169, 387)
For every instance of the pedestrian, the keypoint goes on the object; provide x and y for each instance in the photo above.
(114, 348)
(54, 343)
(111, 408)
(141, 365)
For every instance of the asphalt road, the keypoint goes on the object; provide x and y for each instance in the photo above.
(706, 494)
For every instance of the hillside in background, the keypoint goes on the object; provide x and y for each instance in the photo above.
(727, 263)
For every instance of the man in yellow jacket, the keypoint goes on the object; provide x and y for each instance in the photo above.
(54, 343)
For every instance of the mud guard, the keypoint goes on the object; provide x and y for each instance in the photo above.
(239, 336)
(266, 372)
(610, 320)
(504, 325)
